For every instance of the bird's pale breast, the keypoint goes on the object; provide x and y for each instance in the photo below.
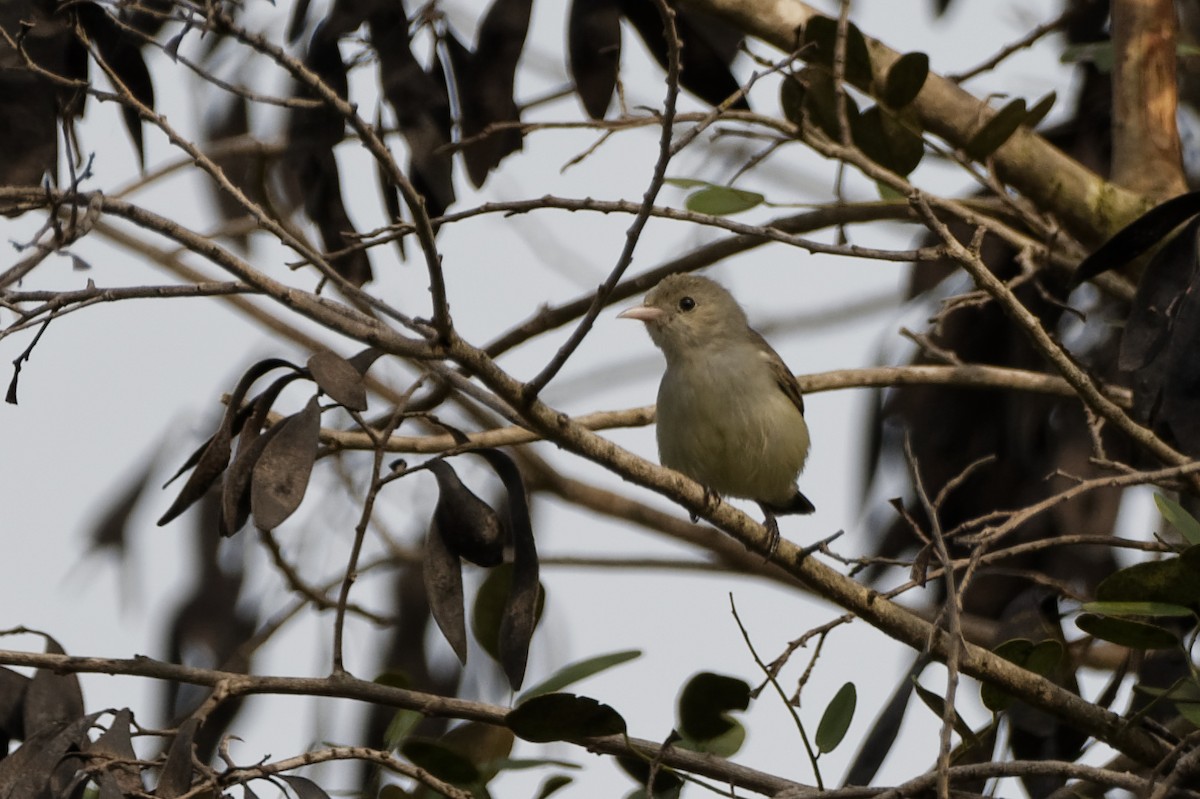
(740, 436)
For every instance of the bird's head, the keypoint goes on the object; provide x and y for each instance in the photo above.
(688, 313)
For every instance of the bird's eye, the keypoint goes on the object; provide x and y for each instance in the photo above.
(687, 304)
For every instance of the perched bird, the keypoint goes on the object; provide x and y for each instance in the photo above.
(730, 413)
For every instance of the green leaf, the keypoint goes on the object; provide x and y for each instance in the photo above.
(400, 727)
(1039, 110)
(1136, 609)
(562, 717)
(835, 721)
(905, 79)
(1179, 518)
(1174, 581)
(686, 183)
(1041, 658)
(722, 201)
(1133, 634)
(441, 761)
(886, 192)
(1099, 54)
(705, 702)
(726, 744)
(577, 671)
(1190, 712)
(996, 131)
(1184, 690)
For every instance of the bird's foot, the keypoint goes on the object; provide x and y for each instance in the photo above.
(772, 525)
(711, 500)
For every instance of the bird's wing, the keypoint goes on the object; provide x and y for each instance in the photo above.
(783, 376)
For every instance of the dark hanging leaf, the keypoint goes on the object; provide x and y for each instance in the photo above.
(523, 607)
(338, 378)
(1042, 658)
(212, 458)
(51, 700)
(1148, 230)
(313, 177)
(820, 39)
(580, 670)
(1172, 581)
(563, 717)
(298, 21)
(110, 529)
(1180, 519)
(708, 48)
(1126, 632)
(303, 787)
(884, 732)
(12, 707)
(363, 360)
(791, 98)
(442, 573)
(117, 743)
(121, 52)
(225, 122)
(705, 702)
(235, 489)
(666, 785)
(594, 50)
(441, 761)
(835, 721)
(485, 81)
(29, 104)
(421, 104)
(886, 141)
(37, 768)
(1039, 110)
(905, 79)
(820, 103)
(1157, 342)
(937, 703)
(176, 776)
(282, 471)
(996, 131)
(552, 785)
(465, 522)
(488, 610)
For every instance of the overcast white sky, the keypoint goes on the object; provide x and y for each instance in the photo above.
(113, 386)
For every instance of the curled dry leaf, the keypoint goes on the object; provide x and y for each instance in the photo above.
(467, 524)
(442, 572)
(214, 455)
(282, 471)
(339, 378)
(521, 609)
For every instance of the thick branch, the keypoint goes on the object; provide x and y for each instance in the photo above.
(1090, 207)
(1147, 156)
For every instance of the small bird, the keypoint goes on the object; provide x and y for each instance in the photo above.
(730, 413)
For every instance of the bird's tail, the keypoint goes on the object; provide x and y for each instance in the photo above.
(797, 504)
